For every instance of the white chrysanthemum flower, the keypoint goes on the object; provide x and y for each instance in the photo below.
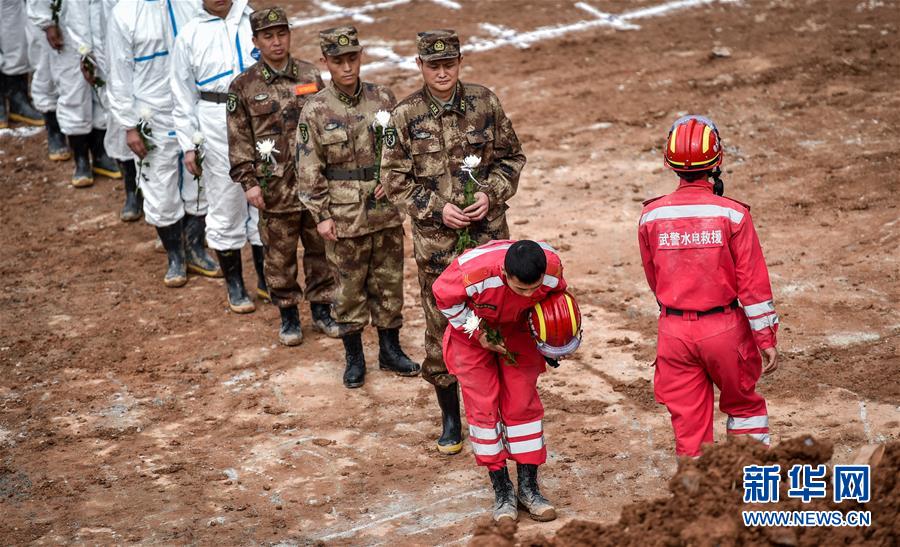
(472, 324)
(84, 50)
(146, 114)
(382, 118)
(266, 149)
(471, 162)
(198, 138)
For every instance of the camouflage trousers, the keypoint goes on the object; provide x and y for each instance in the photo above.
(368, 271)
(435, 248)
(280, 234)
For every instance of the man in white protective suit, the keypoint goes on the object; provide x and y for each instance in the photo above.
(15, 64)
(140, 99)
(210, 51)
(81, 117)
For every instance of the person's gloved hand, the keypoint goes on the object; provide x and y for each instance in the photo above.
(552, 362)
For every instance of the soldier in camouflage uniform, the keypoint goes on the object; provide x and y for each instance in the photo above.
(338, 181)
(434, 129)
(264, 103)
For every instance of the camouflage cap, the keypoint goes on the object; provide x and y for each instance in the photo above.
(437, 44)
(262, 19)
(339, 40)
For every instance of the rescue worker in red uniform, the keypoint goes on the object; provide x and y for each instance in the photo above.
(498, 283)
(717, 321)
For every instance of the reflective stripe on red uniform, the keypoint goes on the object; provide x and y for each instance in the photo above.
(502, 405)
(701, 251)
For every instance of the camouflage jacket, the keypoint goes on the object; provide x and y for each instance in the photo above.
(335, 142)
(421, 167)
(263, 104)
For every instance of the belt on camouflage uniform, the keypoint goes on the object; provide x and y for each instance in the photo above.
(362, 173)
(213, 97)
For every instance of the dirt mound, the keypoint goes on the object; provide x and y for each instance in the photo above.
(707, 499)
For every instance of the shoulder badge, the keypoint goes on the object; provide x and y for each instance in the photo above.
(390, 137)
(304, 132)
(261, 97)
(231, 102)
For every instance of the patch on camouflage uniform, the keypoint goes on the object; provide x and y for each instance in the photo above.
(434, 109)
(390, 137)
(343, 40)
(422, 135)
(331, 125)
(439, 45)
(231, 102)
(273, 15)
(304, 132)
(261, 97)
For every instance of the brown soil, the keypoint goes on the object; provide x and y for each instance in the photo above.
(134, 413)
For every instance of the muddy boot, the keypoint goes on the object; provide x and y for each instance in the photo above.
(259, 259)
(355, 372)
(530, 496)
(104, 165)
(176, 274)
(323, 322)
(82, 177)
(504, 495)
(20, 108)
(238, 300)
(57, 147)
(450, 441)
(290, 333)
(134, 203)
(391, 356)
(199, 261)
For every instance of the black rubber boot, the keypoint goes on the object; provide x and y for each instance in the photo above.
(391, 356)
(355, 372)
(20, 108)
(4, 114)
(504, 495)
(176, 274)
(199, 261)
(530, 495)
(134, 202)
(57, 147)
(238, 300)
(259, 259)
(290, 334)
(323, 322)
(104, 165)
(81, 153)
(450, 441)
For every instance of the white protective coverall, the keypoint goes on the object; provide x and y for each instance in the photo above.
(15, 58)
(142, 33)
(209, 53)
(78, 108)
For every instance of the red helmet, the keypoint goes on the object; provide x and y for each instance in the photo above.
(556, 325)
(693, 145)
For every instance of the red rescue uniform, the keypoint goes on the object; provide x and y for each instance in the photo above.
(704, 263)
(502, 404)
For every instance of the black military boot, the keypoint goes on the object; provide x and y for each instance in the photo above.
(238, 300)
(291, 333)
(530, 496)
(322, 320)
(81, 153)
(4, 114)
(57, 147)
(199, 261)
(176, 274)
(391, 356)
(450, 441)
(134, 202)
(20, 107)
(104, 165)
(259, 259)
(504, 495)
(355, 373)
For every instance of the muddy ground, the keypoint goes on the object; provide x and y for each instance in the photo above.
(134, 413)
